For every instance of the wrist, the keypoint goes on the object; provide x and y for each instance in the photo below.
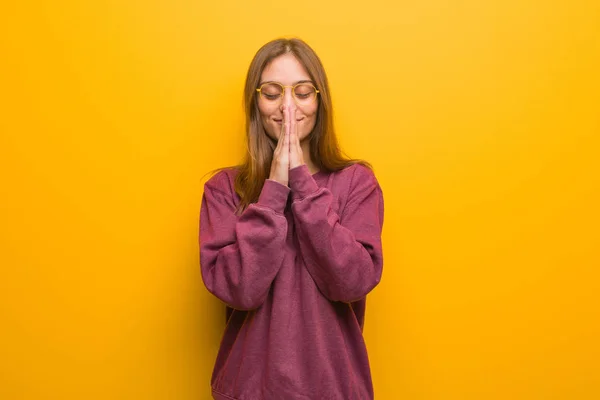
(301, 182)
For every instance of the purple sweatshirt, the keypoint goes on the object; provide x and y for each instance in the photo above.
(294, 270)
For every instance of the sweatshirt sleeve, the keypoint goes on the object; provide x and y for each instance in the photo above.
(342, 252)
(240, 255)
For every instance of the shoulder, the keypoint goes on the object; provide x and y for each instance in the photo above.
(358, 175)
(222, 181)
(363, 172)
(360, 189)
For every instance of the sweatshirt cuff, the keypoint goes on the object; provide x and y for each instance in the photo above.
(301, 182)
(274, 195)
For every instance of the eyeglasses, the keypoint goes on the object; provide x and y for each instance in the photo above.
(303, 93)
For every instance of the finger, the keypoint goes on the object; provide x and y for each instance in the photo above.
(282, 133)
(292, 146)
(286, 118)
(293, 130)
(281, 136)
(296, 131)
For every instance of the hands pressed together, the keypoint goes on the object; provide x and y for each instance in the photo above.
(288, 153)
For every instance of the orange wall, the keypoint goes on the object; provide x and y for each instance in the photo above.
(481, 119)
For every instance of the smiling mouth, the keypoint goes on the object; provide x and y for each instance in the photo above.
(280, 121)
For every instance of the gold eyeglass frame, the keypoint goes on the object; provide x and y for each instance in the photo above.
(259, 90)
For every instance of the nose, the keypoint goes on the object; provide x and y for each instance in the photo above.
(288, 97)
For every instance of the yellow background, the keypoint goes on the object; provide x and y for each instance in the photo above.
(480, 117)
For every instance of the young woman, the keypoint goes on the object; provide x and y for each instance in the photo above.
(290, 241)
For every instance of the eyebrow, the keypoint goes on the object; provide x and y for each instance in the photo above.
(295, 83)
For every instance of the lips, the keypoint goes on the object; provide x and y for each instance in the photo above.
(280, 121)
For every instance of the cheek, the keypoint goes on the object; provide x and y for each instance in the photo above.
(311, 119)
(265, 114)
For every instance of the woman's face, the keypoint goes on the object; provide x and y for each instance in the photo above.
(287, 71)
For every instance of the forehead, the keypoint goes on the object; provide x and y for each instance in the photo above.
(285, 69)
